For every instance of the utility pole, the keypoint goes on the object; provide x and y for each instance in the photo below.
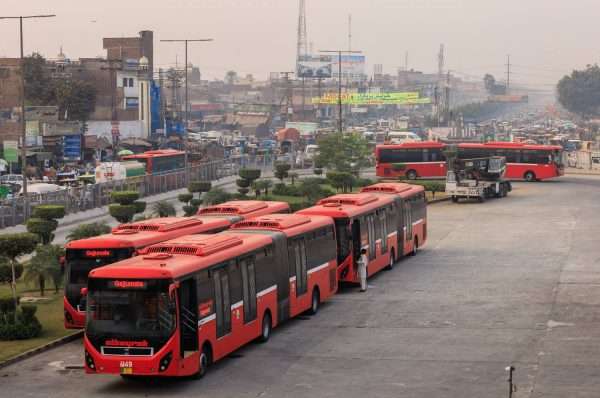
(23, 121)
(289, 95)
(340, 112)
(507, 73)
(185, 125)
(113, 66)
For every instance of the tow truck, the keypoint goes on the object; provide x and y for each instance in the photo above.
(479, 178)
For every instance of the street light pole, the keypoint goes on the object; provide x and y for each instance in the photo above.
(23, 121)
(186, 116)
(339, 53)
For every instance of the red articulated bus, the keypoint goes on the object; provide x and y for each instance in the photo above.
(412, 213)
(427, 160)
(160, 161)
(183, 304)
(362, 220)
(86, 254)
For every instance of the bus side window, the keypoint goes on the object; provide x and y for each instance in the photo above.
(205, 294)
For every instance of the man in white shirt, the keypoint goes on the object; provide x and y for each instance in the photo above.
(363, 261)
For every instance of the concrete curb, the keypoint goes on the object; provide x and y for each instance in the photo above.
(41, 349)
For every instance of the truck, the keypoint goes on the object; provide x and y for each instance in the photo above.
(114, 171)
(479, 178)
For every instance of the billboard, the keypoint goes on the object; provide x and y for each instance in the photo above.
(11, 149)
(314, 67)
(303, 127)
(353, 67)
(400, 98)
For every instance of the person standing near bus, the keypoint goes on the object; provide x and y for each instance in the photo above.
(363, 261)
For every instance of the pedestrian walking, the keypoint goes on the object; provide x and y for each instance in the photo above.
(363, 262)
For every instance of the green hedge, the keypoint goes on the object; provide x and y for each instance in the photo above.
(140, 206)
(199, 186)
(124, 197)
(49, 212)
(185, 197)
(25, 327)
(7, 306)
(122, 213)
(250, 174)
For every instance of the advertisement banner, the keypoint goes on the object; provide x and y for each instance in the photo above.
(314, 67)
(400, 98)
(11, 150)
(353, 67)
(303, 127)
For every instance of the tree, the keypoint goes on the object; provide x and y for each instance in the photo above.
(84, 231)
(163, 209)
(580, 92)
(44, 222)
(13, 246)
(262, 185)
(341, 180)
(193, 204)
(247, 177)
(293, 176)
(281, 171)
(343, 152)
(39, 89)
(125, 205)
(43, 266)
(76, 99)
(216, 196)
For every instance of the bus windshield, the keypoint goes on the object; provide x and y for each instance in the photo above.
(130, 308)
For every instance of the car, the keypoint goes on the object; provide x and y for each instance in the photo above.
(11, 179)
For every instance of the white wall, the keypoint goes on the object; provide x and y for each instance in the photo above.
(127, 129)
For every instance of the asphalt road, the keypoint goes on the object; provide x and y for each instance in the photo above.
(511, 281)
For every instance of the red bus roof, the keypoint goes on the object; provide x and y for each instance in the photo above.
(510, 145)
(289, 224)
(245, 208)
(183, 256)
(348, 205)
(413, 145)
(395, 188)
(154, 154)
(148, 232)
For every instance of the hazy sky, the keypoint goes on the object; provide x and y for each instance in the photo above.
(545, 38)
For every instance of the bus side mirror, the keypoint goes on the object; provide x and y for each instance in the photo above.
(84, 291)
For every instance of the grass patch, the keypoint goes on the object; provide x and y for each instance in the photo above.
(49, 313)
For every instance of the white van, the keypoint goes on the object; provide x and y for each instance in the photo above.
(400, 137)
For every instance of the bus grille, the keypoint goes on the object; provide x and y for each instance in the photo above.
(131, 351)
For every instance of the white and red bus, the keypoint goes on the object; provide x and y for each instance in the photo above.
(427, 159)
(412, 213)
(86, 254)
(183, 304)
(160, 161)
(362, 220)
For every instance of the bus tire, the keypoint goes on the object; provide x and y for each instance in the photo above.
(392, 260)
(415, 247)
(315, 301)
(411, 175)
(266, 328)
(205, 361)
(529, 176)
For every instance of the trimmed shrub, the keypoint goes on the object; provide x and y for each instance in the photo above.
(7, 305)
(15, 245)
(216, 196)
(42, 228)
(281, 170)
(299, 206)
(196, 202)
(199, 186)
(341, 180)
(6, 272)
(189, 210)
(243, 191)
(85, 231)
(124, 197)
(140, 206)
(249, 174)
(163, 209)
(122, 213)
(364, 182)
(26, 326)
(242, 183)
(318, 171)
(286, 190)
(185, 197)
(49, 212)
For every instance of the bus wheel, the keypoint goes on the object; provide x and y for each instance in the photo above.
(266, 328)
(316, 300)
(411, 175)
(529, 176)
(205, 361)
(392, 260)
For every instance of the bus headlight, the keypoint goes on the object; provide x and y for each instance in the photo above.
(165, 362)
(89, 361)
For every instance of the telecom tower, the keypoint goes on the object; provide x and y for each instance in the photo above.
(302, 45)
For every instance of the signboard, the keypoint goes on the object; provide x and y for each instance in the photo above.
(353, 67)
(32, 132)
(72, 147)
(11, 150)
(401, 98)
(314, 67)
(303, 127)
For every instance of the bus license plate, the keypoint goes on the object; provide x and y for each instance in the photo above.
(126, 371)
(126, 368)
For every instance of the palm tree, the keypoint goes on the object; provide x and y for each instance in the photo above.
(163, 209)
(43, 266)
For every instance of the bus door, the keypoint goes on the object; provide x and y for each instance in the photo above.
(188, 318)
(248, 288)
(222, 301)
(382, 222)
(282, 278)
(408, 220)
(300, 271)
(370, 224)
